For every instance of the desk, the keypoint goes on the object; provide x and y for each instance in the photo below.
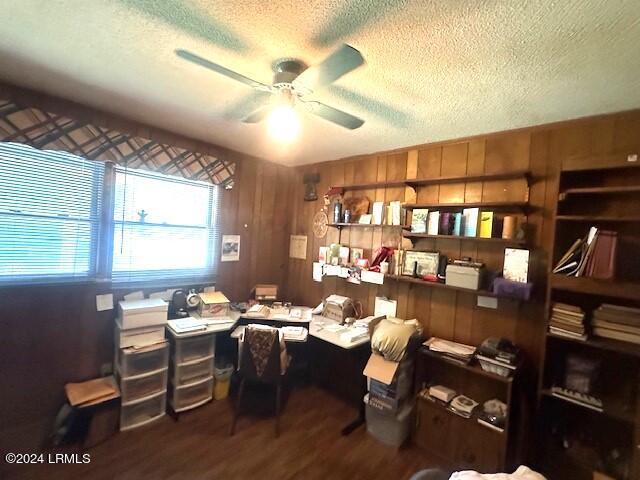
(337, 365)
(240, 328)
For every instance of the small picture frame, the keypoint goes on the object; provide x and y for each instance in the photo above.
(427, 263)
(356, 254)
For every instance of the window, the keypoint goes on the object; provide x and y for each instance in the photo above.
(49, 214)
(163, 227)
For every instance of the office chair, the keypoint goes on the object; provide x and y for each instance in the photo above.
(264, 368)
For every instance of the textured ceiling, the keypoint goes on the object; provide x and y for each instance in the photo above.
(435, 70)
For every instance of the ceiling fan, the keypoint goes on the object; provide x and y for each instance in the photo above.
(293, 80)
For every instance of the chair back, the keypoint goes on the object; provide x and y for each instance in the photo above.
(260, 358)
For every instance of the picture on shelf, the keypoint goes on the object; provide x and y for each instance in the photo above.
(420, 263)
(419, 218)
(516, 265)
(356, 254)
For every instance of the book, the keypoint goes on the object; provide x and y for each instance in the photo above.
(446, 223)
(603, 261)
(588, 251)
(457, 224)
(486, 224)
(616, 326)
(395, 208)
(565, 307)
(570, 256)
(470, 219)
(616, 335)
(433, 223)
(377, 212)
(419, 218)
(563, 333)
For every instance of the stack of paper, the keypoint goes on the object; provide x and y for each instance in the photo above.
(457, 352)
(189, 324)
(567, 321)
(295, 333)
(91, 392)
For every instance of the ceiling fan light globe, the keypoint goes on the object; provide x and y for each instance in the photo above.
(283, 124)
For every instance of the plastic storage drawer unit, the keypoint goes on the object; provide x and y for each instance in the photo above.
(193, 348)
(141, 386)
(191, 372)
(133, 362)
(191, 395)
(391, 430)
(143, 411)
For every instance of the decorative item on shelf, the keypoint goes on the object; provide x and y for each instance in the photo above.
(356, 206)
(516, 265)
(344, 256)
(266, 292)
(381, 254)
(356, 254)
(334, 254)
(493, 415)
(320, 221)
(365, 219)
(486, 224)
(384, 267)
(509, 227)
(310, 180)
(323, 254)
(346, 216)
(337, 212)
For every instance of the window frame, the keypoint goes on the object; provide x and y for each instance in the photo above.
(102, 246)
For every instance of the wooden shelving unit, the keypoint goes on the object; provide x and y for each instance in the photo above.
(421, 182)
(417, 281)
(615, 188)
(473, 367)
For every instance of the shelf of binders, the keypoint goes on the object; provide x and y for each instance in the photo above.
(592, 286)
(420, 182)
(505, 241)
(502, 206)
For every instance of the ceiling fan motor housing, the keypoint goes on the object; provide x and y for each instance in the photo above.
(286, 71)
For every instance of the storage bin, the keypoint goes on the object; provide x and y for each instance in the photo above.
(222, 381)
(137, 361)
(463, 276)
(143, 411)
(140, 386)
(391, 430)
(189, 349)
(138, 336)
(142, 313)
(191, 372)
(191, 395)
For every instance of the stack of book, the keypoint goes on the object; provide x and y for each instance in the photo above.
(617, 322)
(567, 321)
(592, 256)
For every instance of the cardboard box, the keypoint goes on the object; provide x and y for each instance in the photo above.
(147, 312)
(380, 369)
(266, 292)
(213, 304)
(463, 276)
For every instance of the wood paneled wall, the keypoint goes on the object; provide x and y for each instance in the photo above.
(443, 313)
(52, 335)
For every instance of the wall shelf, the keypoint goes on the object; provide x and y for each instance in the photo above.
(622, 189)
(617, 346)
(595, 218)
(365, 225)
(504, 241)
(417, 281)
(474, 368)
(421, 182)
(592, 286)
(508, 206)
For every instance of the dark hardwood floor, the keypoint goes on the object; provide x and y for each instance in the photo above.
(197, 446)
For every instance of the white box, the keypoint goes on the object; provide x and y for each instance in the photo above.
(137, 337)
(463, 276)
(213, 304)
(142, 313)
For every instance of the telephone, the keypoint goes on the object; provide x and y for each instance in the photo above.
(339, 308)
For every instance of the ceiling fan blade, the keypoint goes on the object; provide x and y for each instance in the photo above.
(340, 62)
(334, 115)
(203, 62)
(257, 115)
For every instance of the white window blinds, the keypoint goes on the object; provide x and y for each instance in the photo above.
(50, 205)
(163, 227)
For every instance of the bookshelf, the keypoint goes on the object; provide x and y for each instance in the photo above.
(504, 206)
(605, 193)
(496, 240)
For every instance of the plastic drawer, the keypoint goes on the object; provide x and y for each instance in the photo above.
(141, 386)
(133, 362)
(143, 411)
(193, 348)
(191, 372)
(191, 395)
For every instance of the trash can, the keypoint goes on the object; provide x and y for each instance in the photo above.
(222, 375)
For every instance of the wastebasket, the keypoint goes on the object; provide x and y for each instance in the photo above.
(222, 375)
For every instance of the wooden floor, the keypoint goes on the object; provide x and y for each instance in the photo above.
(310, 446)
